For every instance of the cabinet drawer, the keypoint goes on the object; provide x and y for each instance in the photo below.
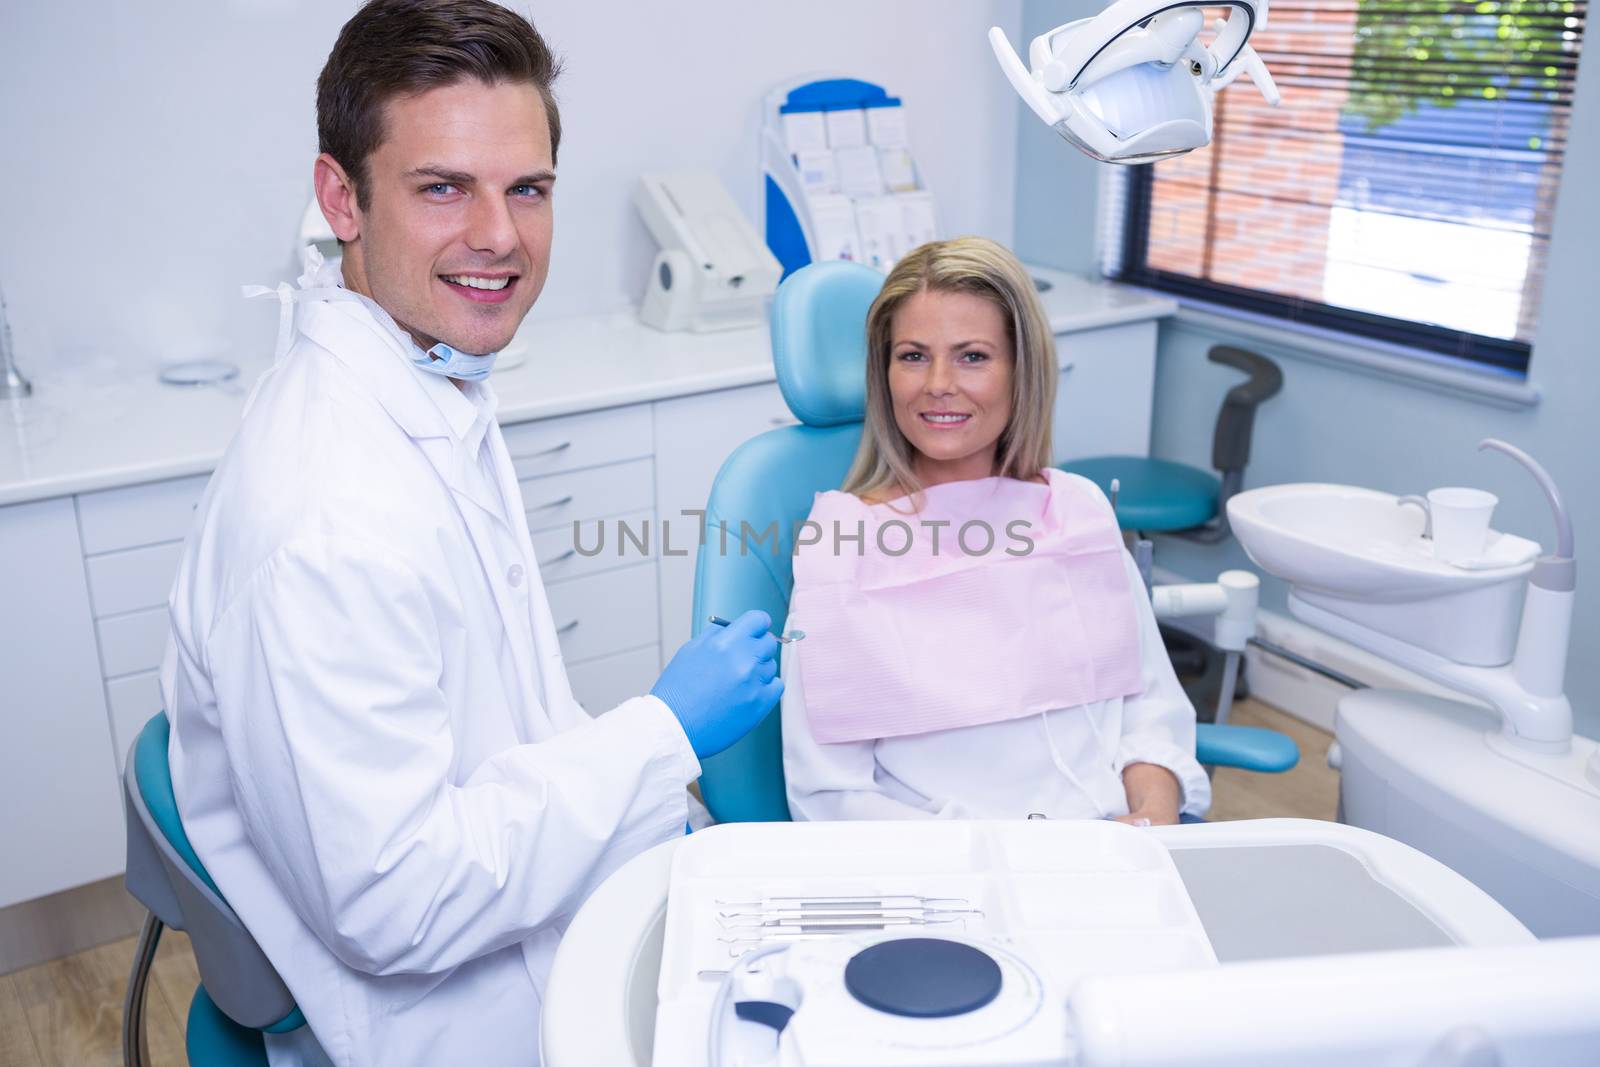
(138, 515)
(133, 701)
(574, 441)
(601, 684)
(605, 613)
(134, 642)
(134, 579)
(557, 499)
(560, 560)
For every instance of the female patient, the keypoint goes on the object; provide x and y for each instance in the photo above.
(980, 643)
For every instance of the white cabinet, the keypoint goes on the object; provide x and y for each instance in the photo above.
(132, 542)
(1104, 396)
(694, 435)
(58, 784)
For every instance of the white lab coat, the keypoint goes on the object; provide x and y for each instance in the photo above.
(375, 749)
(1064, 764)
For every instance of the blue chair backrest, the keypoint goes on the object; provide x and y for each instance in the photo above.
(166, 875)
(765, 490)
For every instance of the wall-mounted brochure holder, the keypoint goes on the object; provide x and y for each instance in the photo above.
(838, 177)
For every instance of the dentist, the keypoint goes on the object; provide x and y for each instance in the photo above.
(375, 749)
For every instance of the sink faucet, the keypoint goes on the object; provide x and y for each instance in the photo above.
(12, 383)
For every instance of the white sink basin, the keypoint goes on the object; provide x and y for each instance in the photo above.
(1360, 555)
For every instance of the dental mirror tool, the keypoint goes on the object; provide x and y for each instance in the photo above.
(784, 638)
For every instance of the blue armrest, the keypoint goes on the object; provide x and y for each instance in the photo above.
(1249, 747)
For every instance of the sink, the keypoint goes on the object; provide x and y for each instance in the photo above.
(1357, 554)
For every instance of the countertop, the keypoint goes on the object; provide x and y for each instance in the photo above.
(81, 431)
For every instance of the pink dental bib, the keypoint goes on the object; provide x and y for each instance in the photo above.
(921, 624)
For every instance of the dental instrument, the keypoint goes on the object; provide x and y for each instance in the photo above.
(785, 638)
(13, 386)
(848, 904)
(1134, 83)
(1506, 794)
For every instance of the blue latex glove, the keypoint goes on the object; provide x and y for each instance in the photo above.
(722, 683)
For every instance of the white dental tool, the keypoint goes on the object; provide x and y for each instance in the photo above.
(1134, 83)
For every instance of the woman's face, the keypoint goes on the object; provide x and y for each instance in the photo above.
(950, 368)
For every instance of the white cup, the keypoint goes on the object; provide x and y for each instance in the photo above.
(1460, 522)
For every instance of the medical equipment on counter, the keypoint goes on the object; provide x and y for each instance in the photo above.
(13, 385)
(1268, 894)
(1134, 83)
(1509, 797)
(838, 177)
(713, 272)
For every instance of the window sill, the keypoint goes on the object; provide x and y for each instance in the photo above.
(1392, 362)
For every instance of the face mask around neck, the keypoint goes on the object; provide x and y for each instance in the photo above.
(445, 361)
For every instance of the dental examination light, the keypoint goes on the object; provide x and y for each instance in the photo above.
(1134, 83)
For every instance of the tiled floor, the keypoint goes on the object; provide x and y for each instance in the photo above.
(69, 1013)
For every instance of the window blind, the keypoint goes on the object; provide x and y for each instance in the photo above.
(1403, 189)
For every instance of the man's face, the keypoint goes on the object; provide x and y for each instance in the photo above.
(455, 239)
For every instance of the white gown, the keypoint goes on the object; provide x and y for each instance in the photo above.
(375, 749)
(1064, 764)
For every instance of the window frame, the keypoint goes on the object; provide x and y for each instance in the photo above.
(1490, 353)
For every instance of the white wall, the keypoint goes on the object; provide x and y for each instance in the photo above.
(158, 155)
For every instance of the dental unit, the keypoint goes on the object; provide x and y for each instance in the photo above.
(1500, 788)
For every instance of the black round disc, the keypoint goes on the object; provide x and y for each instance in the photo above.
(923, 977)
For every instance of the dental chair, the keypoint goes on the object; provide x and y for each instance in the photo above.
(240, 995)
(1166, 497)
(819, 351)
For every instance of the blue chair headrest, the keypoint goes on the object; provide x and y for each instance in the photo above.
(819, 340)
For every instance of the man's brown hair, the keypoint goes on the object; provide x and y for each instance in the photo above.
(400, 47)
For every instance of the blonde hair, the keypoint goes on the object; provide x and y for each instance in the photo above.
(959, 265)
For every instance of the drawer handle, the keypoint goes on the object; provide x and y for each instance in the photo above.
(1066, 366)
(568, 554)
(547, 505)
(552, 450)
(567, 628)
(784, 420)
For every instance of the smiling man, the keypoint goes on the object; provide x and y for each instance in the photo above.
(375, 750)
